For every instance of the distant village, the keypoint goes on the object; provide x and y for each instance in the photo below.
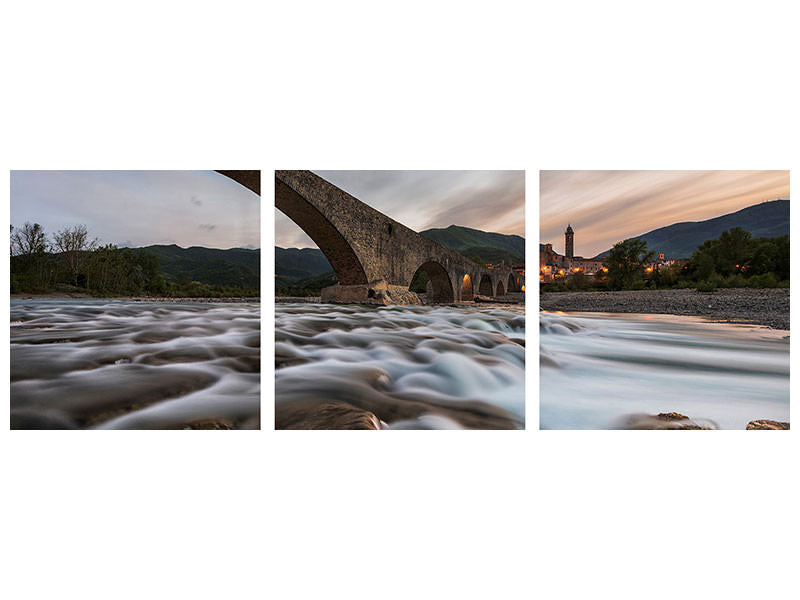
(554, 266)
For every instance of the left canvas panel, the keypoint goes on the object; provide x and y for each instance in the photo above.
(135, 300)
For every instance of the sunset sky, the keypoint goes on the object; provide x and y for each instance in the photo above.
(140, 208)
(486, 200)
(605, 207)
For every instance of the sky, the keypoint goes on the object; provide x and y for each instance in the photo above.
(606, 207)
(486, 200)
(140, 208)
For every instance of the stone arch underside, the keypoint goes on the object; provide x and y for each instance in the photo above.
(333, 244)
(249, 179)
(467, 292)
(513, 283)
(485, 287)
(442, 287)
(500, 289)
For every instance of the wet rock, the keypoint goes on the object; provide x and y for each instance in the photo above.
(327, 415)
(767, 424)
(210, 424)
(670, 420)
(41, 419)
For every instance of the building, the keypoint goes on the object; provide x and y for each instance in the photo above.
(553, 265)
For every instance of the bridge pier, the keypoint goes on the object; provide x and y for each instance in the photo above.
(377, 292)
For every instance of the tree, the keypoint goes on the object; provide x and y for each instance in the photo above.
(626, 262)
(29, 240)
(74, 244)
(29, 264)
(734, 251)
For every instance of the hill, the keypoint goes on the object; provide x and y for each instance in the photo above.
(680, 240)
(464, 239)
(300, 262)
(233, 267)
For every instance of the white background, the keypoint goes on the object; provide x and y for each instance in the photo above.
(412, 85)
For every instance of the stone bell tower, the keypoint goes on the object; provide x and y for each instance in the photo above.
(569, 242)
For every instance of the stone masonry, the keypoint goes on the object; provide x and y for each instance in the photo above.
(370, 251)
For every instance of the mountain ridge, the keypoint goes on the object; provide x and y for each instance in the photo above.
(680, 240)
(231, 267)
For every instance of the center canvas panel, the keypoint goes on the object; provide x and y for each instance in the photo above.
(400, 300)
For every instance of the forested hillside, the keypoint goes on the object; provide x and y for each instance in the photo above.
(70, 261)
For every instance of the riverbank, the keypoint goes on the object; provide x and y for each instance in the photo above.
(78, 296)
(768, 307)
(510, 298)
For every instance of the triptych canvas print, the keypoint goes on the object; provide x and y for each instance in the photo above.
(398, 300)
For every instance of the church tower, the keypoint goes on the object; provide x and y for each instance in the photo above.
(569, 247)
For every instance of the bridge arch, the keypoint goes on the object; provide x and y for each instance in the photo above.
(326, 236)
(485, 287)
(439, 285)
(500, 289)
(467, 292)
(513, 282)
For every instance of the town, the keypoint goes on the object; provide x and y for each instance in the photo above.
(554, 266)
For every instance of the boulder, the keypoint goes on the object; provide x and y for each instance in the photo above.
(767, 424)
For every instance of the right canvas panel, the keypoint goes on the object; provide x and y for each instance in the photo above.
(664, 299)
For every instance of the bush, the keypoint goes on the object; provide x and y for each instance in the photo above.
(705, 286)
(637, 284)
(734, 281)
(767, 280)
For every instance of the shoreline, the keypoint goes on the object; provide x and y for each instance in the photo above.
(768, 307)
(480, 300)
(165, 299)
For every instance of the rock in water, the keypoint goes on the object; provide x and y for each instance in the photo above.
(328, 415)
(670, 420)
(767, 424)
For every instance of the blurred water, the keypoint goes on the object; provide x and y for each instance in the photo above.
(130, 365)
(401, 367)
(596, 369)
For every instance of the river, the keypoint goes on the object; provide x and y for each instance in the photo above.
(399, 367)
(134, 365)
(601, 371)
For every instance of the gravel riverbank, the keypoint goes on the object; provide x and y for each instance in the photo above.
(768, 307)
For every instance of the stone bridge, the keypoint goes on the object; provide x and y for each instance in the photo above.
(370, 251)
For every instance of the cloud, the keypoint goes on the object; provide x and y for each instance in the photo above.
(140, 207)
(605, 207)
(207, 227)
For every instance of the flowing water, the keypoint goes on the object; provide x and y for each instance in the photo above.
(598, 370)
(399, 367)
(134, 365)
